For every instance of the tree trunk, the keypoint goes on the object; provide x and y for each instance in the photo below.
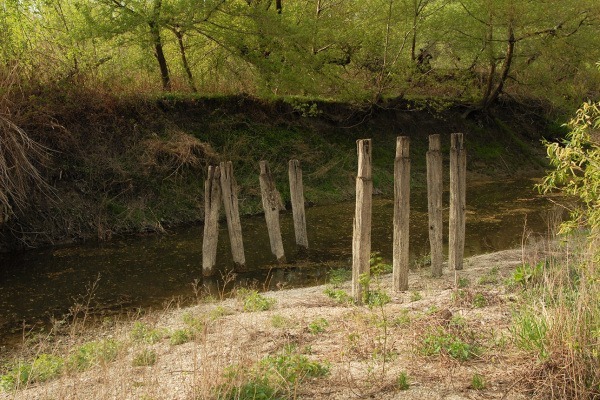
(278, 6)
(492, 95)
(158, 46)
(184, 60)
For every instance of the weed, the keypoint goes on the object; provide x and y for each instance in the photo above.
(463, 282)
(490, 278)
(421, 261)
(318, 326)
(93, 353)
(526, 274)
(142, 333)
(338, 276)
(378, 267)
(279, 321)
(181, 336)
(144, 358)
(253, 301)
(415, 296)
(529, 330)
(273, 377)
(43, 368)
(338, 295)
(219, 312)
(402, 382)
(402, 320)
(479, 301)
(477, 382)
(441, 342)
(195, 324)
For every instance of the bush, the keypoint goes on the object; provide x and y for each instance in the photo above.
(93, 353)
(253, 301)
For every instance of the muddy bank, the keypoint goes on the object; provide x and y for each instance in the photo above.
(133, 166)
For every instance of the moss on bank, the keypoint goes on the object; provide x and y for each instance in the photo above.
(138, 165)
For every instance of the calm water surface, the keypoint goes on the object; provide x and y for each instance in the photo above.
(146, 271)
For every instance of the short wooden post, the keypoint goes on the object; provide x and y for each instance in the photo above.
(434, 203)
(361, 238)
(458, 169)
(297, 199)
(212, 204)
(271, 201)
(401, 213)
(232, 213)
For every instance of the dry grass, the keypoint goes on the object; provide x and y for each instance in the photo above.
(366, 350)
(20, 156)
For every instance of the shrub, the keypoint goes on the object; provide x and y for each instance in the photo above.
(144, 358)
(143, 333)
(43, 368)
(93, 353)
(253, 301)
(318, 326)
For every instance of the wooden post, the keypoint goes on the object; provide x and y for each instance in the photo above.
(434, 204)
(232, 213)
(212, 204)
(271, 201)
(361, 238)
(297, 199)
(458, 169)
(401, 212)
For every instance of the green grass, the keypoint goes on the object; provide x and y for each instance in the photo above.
(273, 377)
(181, 336)
(478, 382)
(142, 333)
(402, 382)
(441, 342)
(93, 354)
(318, 326)
(41, 369)
(144, 358)
(252, 301)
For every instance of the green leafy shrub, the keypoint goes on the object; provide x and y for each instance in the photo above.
(478, 382)
(442, 342)
(273, 377)
(338, 295)
(318, 326)
(253, 301)
(144, 358)
(181, 336)
(43, 368)
(338, 276)
(142, 333)
(93, 353)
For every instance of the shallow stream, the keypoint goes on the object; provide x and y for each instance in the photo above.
(139, 272)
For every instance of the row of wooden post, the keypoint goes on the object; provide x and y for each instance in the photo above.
(220, 186)
(361, 240)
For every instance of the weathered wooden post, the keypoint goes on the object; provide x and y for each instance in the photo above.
(271, 201)
(458, 170)
(297, 199)
(401, 212)
(361, 238)
(434, 203)
(232, 213)
(212, 203)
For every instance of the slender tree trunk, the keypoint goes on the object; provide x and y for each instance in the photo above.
(184, 60)
(413, 44)
(278, 6)
(492, 96)
(158, 45)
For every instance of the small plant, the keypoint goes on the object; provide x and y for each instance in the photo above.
(181, 336)
(403, 319)
(43, 368)
(526, 274)
(93, 353)
(279, 321)
(415, 296)
(477, 382)
(253, 301)
(219, 312)
(318, 326)
(479, 301)
(441, 342)
(463, 282)
(273, 377)
(338, 295)
(338, 276)
(490, 278)
(402, 382)
(529, 330)
(195, 324)
(144, 358)
(142, 333)
(378, 266)
(421, 261)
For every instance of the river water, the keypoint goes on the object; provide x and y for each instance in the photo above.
(138, 272)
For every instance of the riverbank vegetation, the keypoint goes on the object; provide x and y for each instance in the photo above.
(110, 110)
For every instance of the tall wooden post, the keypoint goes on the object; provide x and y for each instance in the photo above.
(212, 204)
(401, 212)
(434, 203)
(458, 170)
(232, 213)
(361, 238)
(271, 201)
(297, 199)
